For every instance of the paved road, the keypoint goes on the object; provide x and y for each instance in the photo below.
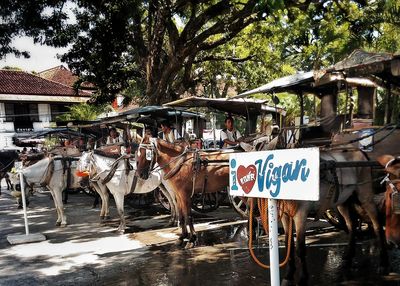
(87, 253)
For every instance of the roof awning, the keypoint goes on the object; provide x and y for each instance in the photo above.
(43, 98)
(230, 105)
(282, 84)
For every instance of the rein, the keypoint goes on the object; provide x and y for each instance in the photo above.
(263, 208)
(8, 165)
(394, 127)
(152, 166)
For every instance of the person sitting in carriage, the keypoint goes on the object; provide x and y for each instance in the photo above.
(168, 133)
(230, 137)
(114, 137)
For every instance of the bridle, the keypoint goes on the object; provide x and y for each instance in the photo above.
(90, 163)
(150, 149)
(394, 195)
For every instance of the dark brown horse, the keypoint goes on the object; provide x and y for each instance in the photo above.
(186, 172)
(392, 202)
(355, 186)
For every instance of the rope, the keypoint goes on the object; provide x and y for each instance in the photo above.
(368, 135)
(263, 205)
(8, 165)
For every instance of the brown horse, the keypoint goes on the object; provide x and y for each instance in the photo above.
(186, 172)
(392, 206)
(355, 186)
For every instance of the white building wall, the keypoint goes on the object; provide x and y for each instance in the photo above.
(5, 126)
(44, 117)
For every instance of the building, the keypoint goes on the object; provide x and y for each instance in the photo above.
(31, 103)
(64, 76)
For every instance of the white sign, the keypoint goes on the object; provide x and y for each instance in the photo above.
(290, 174)
(18, 165)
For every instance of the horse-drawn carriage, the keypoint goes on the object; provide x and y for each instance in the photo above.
(349, 144)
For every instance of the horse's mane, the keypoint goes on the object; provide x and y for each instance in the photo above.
(178, 147)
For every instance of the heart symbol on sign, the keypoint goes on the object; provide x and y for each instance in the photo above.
(247, 177)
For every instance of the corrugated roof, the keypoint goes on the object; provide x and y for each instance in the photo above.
(19, 82)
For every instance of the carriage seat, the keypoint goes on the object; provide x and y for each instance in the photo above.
(111, 150)
(316, 135)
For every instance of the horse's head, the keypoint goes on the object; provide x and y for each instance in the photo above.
(84, 165)
(146, 157)
(392, 197)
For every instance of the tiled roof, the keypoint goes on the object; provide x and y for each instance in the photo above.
(19, 82)
(62, 75)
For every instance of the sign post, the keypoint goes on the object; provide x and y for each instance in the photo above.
(28, 237)
(291, 174)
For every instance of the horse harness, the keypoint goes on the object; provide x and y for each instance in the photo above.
(197, 163)
(395, 194)
(128, 168)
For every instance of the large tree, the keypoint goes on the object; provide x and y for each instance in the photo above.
(157, 49)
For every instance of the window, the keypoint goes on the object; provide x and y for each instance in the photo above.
(9, 107)
(58, 109)
(33, 112)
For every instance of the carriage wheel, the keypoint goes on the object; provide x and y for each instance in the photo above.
(205, 203)
(168, 202)
(163, 197)
(240, 205)
(139, 201)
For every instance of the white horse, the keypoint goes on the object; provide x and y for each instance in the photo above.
(49, 172)
(122, 183)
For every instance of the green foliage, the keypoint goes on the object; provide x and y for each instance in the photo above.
(154, 51)
(83, 111)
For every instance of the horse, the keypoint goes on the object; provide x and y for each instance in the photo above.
(7, 159)
(392, 205)
(355, 185)
(51, 173)
(186, 173)
(115, 175)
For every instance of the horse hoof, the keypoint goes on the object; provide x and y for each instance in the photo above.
(383, 270)
(286, 282)
(180, 242)
(63, 225)
(190, 245)
(170, 223)
(107, 217)
(102, 218)
(58, 223)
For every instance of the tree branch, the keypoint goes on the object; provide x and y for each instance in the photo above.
(231, 59)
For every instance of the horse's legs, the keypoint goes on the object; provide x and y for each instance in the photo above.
(291, 268)
(102, 191)
(350, 251)
(182, 214)
(300, 223)
(189, 220)
(372, 213)
(9, 185)
(57, 197)
(119, 201)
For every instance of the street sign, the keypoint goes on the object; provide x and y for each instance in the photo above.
(291, 174)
